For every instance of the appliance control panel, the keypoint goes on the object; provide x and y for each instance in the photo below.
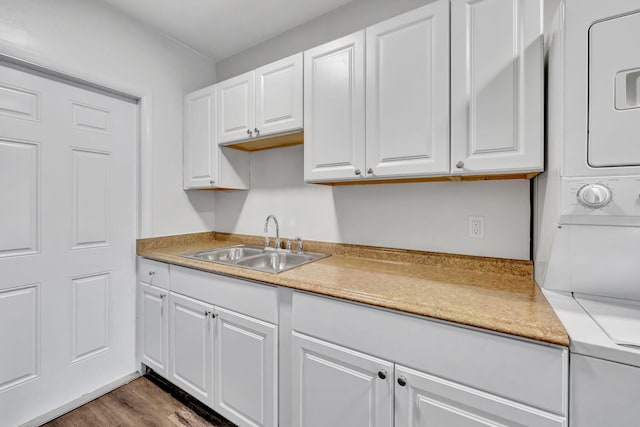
(601, 200)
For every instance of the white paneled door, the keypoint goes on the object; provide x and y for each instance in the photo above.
(67, 232)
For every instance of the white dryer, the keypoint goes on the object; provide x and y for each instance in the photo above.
(587, 204)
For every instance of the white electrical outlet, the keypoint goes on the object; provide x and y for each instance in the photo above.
(476, 227)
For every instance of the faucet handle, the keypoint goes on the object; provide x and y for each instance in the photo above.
(299, 240)
(288, 245)
(266, 240)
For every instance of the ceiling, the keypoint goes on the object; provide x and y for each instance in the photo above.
(221, 28)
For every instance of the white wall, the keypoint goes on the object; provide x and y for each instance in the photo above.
(427, 216)
(354, 16)
(89, 39)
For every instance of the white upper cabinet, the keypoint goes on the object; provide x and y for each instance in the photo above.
(334, 105)
(236, 103)
(496, 86)
(262, 102)
(205, 164)
(407, 92)
(278, 95)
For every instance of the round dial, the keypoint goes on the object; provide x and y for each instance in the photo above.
(594, 196)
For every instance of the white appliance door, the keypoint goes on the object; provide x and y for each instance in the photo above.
(614, 92)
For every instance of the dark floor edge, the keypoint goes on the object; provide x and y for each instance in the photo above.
(189, 401)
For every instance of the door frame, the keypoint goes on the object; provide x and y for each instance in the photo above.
(11, 55)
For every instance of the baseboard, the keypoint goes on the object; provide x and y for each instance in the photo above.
(44, 418)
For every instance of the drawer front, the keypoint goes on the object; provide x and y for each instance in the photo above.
(153, 272)
(254, 299)
(523, 371)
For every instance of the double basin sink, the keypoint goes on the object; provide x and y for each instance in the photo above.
(256, 258)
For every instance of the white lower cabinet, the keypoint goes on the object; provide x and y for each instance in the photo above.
(190, 346)
(154, 324)
(245, 369)
(335, 386)
(423, 400)
(358, 374)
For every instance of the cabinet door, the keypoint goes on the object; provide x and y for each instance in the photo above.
(335, 386)
(496, 86)
(408, 93)
(236, 108)
(154, 323)
(191, 335)
(200, 149)
(423, 400)
(334, 126)
(245, 369)
(279, 96)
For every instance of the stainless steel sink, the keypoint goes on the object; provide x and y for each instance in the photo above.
(256, 258)
(228, 254)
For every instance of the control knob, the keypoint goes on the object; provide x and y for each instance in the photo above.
(594, 196)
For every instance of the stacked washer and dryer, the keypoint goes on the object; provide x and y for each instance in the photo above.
(587, 204)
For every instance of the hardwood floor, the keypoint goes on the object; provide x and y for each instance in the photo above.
(142, 402)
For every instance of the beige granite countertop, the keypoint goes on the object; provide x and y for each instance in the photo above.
(489, 293)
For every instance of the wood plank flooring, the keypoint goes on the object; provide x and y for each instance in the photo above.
(142, 402)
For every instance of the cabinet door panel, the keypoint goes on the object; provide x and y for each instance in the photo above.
(426, 401)
(497, 84)
(334, 105)
(154, 328)
(408, 93)
(190, 343)
(245, 370)
(200, 150)
(335, 386)
(236, 108)
(279, 96)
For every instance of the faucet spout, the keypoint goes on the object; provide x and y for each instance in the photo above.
(276, 244)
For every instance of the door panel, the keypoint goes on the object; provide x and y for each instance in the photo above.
(334, 103)
(67, 164)
(408, 93)
(496, 90)
(245, 374)
(154, 325)
(423, 400)
(236, 108)
(190, 345)
(200, 150)
(335, 386)
(279, 96)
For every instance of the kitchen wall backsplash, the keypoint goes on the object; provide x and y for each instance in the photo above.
(432, 216)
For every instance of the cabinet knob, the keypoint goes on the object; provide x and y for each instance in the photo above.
(162, 296)
(460, 164)
(257, 131)
(249, 132)
(382, 374)
(370, 171)
(402, 381)
(211, 181)
(151, 273)
(207, 313)
(357, 172)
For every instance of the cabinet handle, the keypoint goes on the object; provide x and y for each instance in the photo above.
(357, 172)
(162, 296)
(211, 181)
(213, 315)
(370, 171)
(151, 273)
(249, 132)
(382, 374)
(402, 381)
(257, 131)
(460, 164)
(207, 313)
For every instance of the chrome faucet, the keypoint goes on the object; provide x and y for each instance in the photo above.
(266, 231)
